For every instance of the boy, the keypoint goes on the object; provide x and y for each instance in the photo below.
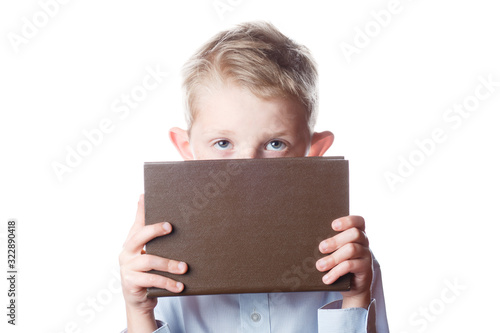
(251, 93)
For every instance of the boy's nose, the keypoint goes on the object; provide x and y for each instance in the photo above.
(248, 153)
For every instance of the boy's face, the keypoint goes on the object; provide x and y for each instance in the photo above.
(231, 122)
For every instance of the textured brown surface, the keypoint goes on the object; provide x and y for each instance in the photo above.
(247, 225)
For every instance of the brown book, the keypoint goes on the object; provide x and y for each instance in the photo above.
(246, 225)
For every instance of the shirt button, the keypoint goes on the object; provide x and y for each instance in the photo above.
(256, 317)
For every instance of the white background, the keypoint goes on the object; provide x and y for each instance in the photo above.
(439, 226)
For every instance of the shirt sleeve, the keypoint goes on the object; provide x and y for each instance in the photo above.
(162, 328)
(332, 319)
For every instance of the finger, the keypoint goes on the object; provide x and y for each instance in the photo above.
(147, 280)
(346, 252)
(139, 218)
(143, 235)
(352, 235)
(347, 222)
(148, 262)
(356, 266)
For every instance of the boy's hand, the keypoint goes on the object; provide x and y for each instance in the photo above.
(348, 252)
(134, 265)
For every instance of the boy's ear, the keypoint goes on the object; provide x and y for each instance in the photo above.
(180, 139)
(320, 143)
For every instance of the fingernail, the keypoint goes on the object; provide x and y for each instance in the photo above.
(179, 285)
(321, 264)
(167, 227)
(323, 246)
(182, 266)
(326, 279)
(336, 225)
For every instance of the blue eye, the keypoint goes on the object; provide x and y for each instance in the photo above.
(275, 145)
(222, 144)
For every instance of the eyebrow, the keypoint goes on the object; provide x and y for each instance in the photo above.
(228, 132)
(218, 131)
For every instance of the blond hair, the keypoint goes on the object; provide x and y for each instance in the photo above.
(258, 57)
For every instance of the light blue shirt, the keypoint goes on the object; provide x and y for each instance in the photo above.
(304, 312)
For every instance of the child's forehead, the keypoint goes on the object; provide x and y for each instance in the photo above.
(237, 98)
(233, 104)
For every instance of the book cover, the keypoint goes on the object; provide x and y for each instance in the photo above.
(246, 225)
